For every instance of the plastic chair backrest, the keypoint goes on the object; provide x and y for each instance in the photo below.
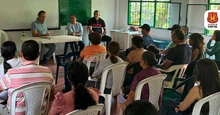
(179, 73)
(92, 110)
(214, 104)
(155, 84)
(34, 94)
(118, 72)
(97, 57)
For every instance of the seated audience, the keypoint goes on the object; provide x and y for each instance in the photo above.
(148, 40)
(171, 45)
(74, 28)
(155, 50)
(180, 54)
(29, 72)
(133, 58)
(196, 40)
(135, 55)
(186, 33)
(11, 60)
(207, 82)
(215, 49)
(147, 63)
(79, 97)
(140, 107)
(113, 50)
(95, 48)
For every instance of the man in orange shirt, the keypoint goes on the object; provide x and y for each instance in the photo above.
(95, 48)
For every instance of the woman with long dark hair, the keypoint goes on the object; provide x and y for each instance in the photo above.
(113, 51)
(207, 82)
(11, 60)
(79, 97)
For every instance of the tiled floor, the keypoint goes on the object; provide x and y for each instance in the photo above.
(60, 83)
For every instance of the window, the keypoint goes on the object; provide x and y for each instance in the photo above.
(195, 17)
(156, 13)
(213, 5)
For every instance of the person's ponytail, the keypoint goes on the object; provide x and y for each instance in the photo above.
(7, 66)
(113, 59)
(82, 97)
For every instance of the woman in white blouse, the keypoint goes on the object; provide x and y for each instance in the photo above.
(11, 60)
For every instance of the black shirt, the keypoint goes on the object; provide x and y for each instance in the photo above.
(97, 25)
(180, 54)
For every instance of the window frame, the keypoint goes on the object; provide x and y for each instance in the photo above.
(186, 22)
(155, 12)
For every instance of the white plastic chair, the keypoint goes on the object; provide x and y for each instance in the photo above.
(214, 104)
(179, 73)
(97, 57)
(92, 110)
(118, 72)
(155, 84)
(34, 94)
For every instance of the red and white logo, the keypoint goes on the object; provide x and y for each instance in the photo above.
(211, 21)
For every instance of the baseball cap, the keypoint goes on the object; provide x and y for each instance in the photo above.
(145, 26)
(175, 27)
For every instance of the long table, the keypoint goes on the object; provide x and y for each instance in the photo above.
(52, 39)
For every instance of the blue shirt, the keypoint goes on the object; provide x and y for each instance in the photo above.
(147, 40)
(39, 26)
(75, 28)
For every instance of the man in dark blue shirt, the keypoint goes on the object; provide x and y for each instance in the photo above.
(96, 24)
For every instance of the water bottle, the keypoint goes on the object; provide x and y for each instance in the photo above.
(23, 35)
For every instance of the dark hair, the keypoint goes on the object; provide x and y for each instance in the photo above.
(208, 77)
(95, 38)
(153, 49)
(198, 41)
(187, 30)
(141, 107)
(96, 11)
(138, 41)
(40, 12)
(30, 50)
(78, 76)
(114, 48)
(8, 50)
(179, 34)
(217, 35)
(149, 58)
(73, 15)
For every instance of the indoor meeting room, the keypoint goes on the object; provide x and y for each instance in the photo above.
(109, 57)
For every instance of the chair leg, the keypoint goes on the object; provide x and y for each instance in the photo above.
(108, 103)
(66, 81)
(54, 57)
(57, 74)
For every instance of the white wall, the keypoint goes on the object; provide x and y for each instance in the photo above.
(107, 12)
(107, 9)
(114, 12)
